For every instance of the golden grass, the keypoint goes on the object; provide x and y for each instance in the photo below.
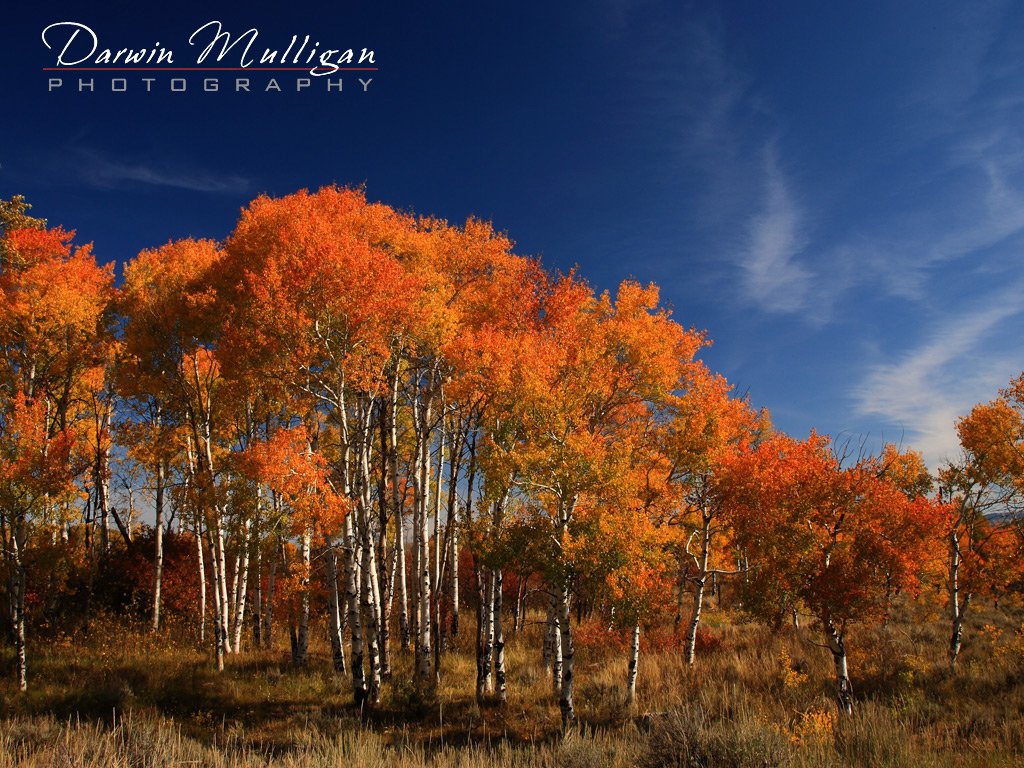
(121, 697)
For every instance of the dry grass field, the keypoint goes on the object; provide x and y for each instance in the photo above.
(754, 698)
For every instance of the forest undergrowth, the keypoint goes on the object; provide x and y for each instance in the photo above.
(119, 696)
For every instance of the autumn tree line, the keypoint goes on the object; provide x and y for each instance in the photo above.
(388, 413)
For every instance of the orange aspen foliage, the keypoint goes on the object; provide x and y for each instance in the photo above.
(35, 463)
(53, 336)
(837, 539)
(582, 397)
(993, 437)
(983, 535)
(286, 464)
(317, 289)
(169, 310)
(52, 317)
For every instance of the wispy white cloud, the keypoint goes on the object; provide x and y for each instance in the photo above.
(968, 200)
(925, 221)
(948, 248)
(976, 217)
(728, 142)
(981, 231)
(924, 391)
(772, 276)
(699, 111)
(98, 170)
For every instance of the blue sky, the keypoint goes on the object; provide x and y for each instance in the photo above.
(836, 194)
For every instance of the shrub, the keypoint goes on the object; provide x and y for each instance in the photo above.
(690, 738)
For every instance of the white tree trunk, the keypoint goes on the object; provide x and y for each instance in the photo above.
(565, 701)
(424, 590)
(370, 569)
(484, 633)
(399, 511)
(454, 568)
(435, 559)
(334, 606)
(17, 581)
(202, 581)
(101, 486)
(218, 563)
(158, 533)
(634, 660)
(302, 647)
(219, 629)
(386, 575)
(236, 572)
(698, 590)
(566, 650)
(553, 646)
(957, 605)
(241, 591)
(402, 578)
(354, 619)
(222, 582)
(520, 606)
(499, 640)
(371, 610)
(844, 691)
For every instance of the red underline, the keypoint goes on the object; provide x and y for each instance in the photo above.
(206, 69)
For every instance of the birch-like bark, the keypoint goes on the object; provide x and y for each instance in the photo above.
(387, 610)
(202, 580)
(522, 603)
(484, 633)
(202, 469)
(399, 512)
(454, 570)
(551, 638)
(334, 606)
(305, 558)
(385, 559)
(370, 575)
(221, 581)
(958, 604)
(158, 534)
(402, 579)
(565, 701)
(435, 559)
(556, 652)
(241, 591)
(421, 415)
(499, 640)
(370, 611)
(233, 596)
(634, 660)
(844, 691)
(219, 630)
(18, 580)
(354, 619)
(100, 480)
(698, 588)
